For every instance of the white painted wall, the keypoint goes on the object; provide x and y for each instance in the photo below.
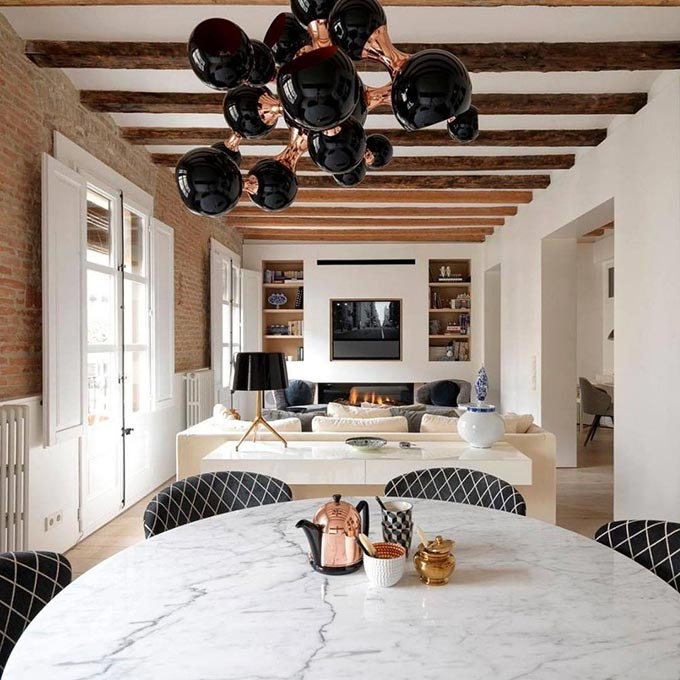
(53, 476)
(638, 167)
(492, 333)
(589, 321)
(410, 283)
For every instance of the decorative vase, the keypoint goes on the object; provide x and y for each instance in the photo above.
(482, 385)
(480, 426)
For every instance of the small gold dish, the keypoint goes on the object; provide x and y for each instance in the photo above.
(435, 561)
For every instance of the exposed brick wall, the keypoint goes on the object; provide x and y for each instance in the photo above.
(35, 103)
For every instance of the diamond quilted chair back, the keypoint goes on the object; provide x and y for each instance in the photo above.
(652, 543)
(209, 494)
(28, 581)
(458, 485)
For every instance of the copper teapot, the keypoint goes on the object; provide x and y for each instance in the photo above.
(332, 536)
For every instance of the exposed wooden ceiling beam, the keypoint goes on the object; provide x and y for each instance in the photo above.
(406, 197)
(478, 57)
(279, 137)
(432, 182)
(446, 235)
(122, 101)
(397, 215)
(386, 3)
(425, 163)
(329, 219)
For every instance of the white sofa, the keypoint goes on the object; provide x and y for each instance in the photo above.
(198, 441)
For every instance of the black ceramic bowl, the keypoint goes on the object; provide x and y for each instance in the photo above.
(381, 148)
(338, 152)
(306, 11)
(352, 22)
(465, 126)
(233, 155)
(220, 53)
(241, 111)
(264, 66)
(209, 182)
(285, 36)
(318, 89)
(433, 86)
(353, 177)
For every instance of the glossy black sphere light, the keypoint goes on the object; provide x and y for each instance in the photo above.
(242, 113)
(264, 66)
(433, 86)
(220, 53)
(352, 22)
(209, 182)
(353, 177)
(339, 150)
(276, 185)
(318, 89)
(285, 37)
(381, 150)
(306, 11)
(465, 126)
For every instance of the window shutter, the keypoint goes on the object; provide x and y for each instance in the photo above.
(64, 205)
(163, 286)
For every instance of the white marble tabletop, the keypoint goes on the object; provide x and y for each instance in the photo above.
(233, 597)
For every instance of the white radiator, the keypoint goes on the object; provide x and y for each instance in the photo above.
(13, 477)
(199, 396)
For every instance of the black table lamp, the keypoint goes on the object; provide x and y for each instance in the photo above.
(256, 372)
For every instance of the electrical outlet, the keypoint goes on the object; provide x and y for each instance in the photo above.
(54, 519)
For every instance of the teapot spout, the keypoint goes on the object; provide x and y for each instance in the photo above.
(313, 533)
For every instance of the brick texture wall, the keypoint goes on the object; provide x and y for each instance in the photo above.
(35, 103)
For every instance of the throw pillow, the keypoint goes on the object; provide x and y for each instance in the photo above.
(299, 393)
(431, 423)
(336, 410)
(304, 418)
(517, 424)
(367, 425)
(444, 393)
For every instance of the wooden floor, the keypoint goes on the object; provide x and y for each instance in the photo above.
(584, 502)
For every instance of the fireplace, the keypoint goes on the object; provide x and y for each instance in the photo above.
(393, 394)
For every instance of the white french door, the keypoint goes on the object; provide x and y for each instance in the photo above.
(116, 461)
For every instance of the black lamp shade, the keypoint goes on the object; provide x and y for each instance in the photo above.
(254, 371)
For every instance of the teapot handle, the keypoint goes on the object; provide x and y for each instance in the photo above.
(362, 508)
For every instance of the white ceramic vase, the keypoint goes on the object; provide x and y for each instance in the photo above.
(480, 426)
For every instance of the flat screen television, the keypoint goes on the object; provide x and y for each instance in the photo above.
(366, 329)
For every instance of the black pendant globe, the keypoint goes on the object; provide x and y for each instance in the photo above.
(352, 22)
(209, 182)
(381, 150)
(360, 112)
(318, 89)
(306, 11)
(465, 126)
(433, 86)
(338, 150)
(242, 114)
(285, 37)
(264, 66)
(220, 53)
(234, 155)
(276, 185)
(353, 177)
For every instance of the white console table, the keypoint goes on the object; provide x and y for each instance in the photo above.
(331, 462)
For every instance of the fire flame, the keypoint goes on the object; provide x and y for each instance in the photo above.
(372, 398)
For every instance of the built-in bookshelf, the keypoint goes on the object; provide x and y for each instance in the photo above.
(450, 307)
(283, 322)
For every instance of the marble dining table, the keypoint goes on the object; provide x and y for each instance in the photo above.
(233, 597)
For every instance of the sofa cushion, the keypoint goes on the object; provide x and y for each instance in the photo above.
(368, 425)
(517, 424)
(444, 393)
(299, 393)
(336, 410)
(270, 414)
(432, 423)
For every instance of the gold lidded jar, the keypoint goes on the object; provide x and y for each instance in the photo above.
(435, 561)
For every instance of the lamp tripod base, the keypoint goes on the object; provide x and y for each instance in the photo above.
(259, 420)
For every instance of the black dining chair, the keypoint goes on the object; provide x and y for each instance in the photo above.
(209, 494)
(595, 402)
(28, 581)
(458, 485)
(652, 543)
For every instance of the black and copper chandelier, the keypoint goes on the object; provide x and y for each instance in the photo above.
(320, 97)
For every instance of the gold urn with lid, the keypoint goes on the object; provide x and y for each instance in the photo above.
(435, 561)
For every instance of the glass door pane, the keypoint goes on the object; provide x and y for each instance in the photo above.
(136, 313)
(101, 391)
(133, 242)
(99, 217)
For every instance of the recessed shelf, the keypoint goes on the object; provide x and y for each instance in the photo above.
(444, 310)
(289, 284)
(450, 336)
(283, 311)
(283, 337)
(450, 284)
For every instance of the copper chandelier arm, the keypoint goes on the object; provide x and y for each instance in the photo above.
(250, 185)
(269, 108)
(379, 47)
(377, 96)
(297, 145)
(318, 32)
(233, 141)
